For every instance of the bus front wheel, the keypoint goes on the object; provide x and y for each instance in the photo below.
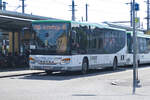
(84, 67)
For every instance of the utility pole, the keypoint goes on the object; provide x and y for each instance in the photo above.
(134, 49)
(131, 13)
(23, 7)
(86, 6)
(148, 16)
(82, 19)
(73, 10)
(0, 4)
(136, 81)
(4, 5)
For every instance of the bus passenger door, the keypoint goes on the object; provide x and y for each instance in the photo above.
(122, 59)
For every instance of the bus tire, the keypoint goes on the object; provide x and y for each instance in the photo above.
(48, 72)
(138, 63)
(115, 64)
(84, 67)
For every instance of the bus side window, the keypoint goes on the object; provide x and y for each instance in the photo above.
(74, 43)
(148, 45)
(129, 43)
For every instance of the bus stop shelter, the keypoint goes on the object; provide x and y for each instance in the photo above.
(12, 37)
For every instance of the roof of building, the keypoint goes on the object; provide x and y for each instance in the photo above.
(16, 21)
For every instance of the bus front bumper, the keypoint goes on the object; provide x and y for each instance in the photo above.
(56, 68)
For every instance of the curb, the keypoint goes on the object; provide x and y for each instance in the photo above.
(18, 73)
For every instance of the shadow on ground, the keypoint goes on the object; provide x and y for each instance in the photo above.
(58, 76)
(18, 68)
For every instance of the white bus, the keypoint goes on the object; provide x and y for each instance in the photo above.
(143, 48)
(75, 46)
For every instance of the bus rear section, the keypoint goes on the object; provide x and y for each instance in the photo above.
(143, 48)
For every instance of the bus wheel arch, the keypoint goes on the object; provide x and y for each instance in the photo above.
(138, 63)
(85, 65)
(115, 63)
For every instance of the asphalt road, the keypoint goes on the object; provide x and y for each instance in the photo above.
(96, 85)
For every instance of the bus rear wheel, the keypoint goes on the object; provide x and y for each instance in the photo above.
(48, 72)
(115, 64)
(84, 67)
(138, 63)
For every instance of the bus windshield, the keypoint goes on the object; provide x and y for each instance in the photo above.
(50, 38)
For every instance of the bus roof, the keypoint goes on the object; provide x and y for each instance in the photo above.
(66, 21)
(100, 25)
(139, 34)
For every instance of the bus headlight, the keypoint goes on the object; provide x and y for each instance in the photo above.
(32, 60)
(65, 61)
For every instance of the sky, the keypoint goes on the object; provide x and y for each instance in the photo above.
(98, 10)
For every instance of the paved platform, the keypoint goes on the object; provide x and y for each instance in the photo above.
(99, 85)
(17, 72)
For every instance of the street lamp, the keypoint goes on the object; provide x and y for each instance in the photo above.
(131, 13)
(135, 70)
